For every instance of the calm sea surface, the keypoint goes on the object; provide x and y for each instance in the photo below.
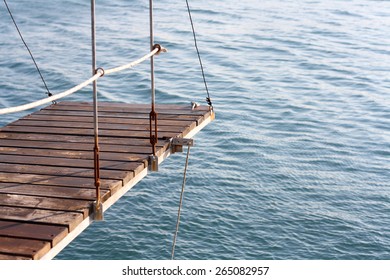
(297, 163)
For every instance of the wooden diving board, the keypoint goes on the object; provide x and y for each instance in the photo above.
(46, 168)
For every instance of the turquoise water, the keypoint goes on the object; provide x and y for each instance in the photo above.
(297, 163)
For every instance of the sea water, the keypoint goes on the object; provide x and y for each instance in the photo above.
(296, 164)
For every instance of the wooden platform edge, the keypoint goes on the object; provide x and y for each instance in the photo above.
(117, 195)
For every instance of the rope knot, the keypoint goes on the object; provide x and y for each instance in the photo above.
(100, 70)
(160, 49)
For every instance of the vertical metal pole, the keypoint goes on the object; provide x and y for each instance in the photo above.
(151, 48)
(153, 159)
(93, 33)
(98, 209)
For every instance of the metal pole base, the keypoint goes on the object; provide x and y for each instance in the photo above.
(98, 211)
(153, 163)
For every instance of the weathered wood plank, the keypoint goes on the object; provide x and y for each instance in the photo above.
(13, 169)
(47, 138)
(13, 257)
(65, 162)
(49, 233)
(89, 119)
(63, 218)
(72, 154)
(118, 115)
(79, 146)
(24, 247)
(47, 203)
(198, 115)
(130, 106)
(103, 126)
(128, 110)
(53, 192)
(74, 182)
(86, 132)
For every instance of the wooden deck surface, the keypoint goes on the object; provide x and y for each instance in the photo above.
(46, 168)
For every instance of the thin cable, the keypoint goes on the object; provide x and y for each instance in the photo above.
(180, 205)
(208, 99)
(28, 49)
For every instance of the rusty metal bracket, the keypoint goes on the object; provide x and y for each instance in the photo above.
(178, 143)
(97, 205)
(153, 133)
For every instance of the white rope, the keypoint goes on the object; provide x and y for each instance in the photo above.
(100, 73)
(51, 98)
(132, 64)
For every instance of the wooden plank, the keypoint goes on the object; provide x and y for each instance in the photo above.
(13, 257)
(63, 218)
(130, 108)
(72, 154)
(65, 162)
(24, 247)
(47, 203)
(118, 115)
(13, 169)
(79, 146)
(69, 139)
(53, 192)
(89, 119)
(86, 132)
(49, 233)
(108, 126)
(166, 115)
(103, 126)
(74, 182)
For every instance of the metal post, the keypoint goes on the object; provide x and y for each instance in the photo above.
(98, 207)
(151, 48)
(153, 159)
